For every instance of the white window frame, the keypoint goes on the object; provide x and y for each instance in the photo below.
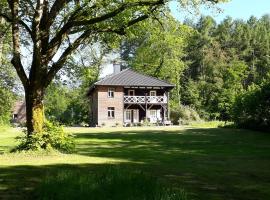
(128, 116)
(111, 92)
(136, 115)
(111, 112)
(154, 91)
(153, 113)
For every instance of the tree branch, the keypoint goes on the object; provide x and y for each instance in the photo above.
(16, 60)
(115, 12)
(65, 30)
(56, 8)
(59, 64)
(21, 22)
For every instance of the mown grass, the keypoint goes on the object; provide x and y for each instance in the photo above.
(208, 163)
(7, 138)
(112, 183)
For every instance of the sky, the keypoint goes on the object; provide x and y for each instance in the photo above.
(237, 9)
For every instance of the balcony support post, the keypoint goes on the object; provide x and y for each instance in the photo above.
(145, 94)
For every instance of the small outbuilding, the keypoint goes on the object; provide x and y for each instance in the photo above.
(19, 112)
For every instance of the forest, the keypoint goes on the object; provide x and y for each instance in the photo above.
(221, 71)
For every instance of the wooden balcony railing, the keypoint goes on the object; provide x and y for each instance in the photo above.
(145, 99)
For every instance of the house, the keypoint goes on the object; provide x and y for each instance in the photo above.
(19, 112)
(128, 97)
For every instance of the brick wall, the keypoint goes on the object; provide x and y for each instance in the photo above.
(104, 102)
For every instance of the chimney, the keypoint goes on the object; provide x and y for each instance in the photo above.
(116, 67)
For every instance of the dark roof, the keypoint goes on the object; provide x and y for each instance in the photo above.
(129, 77)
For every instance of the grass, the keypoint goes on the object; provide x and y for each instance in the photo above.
(208, 163)
(108, 183)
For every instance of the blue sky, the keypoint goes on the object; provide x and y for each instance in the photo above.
(237, 9)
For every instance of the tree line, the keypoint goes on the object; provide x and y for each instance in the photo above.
(221, 70)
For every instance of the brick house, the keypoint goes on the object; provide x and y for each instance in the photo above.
(128, 97)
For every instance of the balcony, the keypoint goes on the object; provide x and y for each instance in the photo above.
(145, 99)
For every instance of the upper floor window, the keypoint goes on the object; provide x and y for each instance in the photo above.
(131, 92)
(111, 92)
(153, 93)
(111, 111)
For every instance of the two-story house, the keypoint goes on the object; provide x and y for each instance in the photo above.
(128, 97)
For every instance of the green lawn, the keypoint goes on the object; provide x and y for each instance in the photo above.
(208, 163)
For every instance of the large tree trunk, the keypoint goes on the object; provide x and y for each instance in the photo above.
(34, 109)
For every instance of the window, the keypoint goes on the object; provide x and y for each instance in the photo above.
(153, 113)
(153, 93)
(15, 116)
(131, 92)
(111, 92)
(111, 111)
(128, 115)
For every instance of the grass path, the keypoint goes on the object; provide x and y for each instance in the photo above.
(209, 163)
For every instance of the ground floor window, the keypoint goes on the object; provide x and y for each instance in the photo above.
(128, 115)
(153, 113)
(111, 112)
(131, 116)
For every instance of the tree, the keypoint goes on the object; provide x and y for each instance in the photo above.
(252, 108)
(66, 101)
(158, 49)
(7, 74)
(59, 28)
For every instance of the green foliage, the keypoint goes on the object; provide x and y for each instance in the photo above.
(209, 63)
(6, 102)
(225, 59)
(7, 73)
(52, 137)
(252, 108)
(158, 50)
(66, 105)
(184, 115)
(112, 183)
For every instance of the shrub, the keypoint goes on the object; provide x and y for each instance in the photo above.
(184, 115)
(6, 102)
(252, 108)
(114, 183)
(146, 122)
(52, 137)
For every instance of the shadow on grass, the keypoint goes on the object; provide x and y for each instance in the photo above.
(208, 163)
(163, 147)
(84, 181)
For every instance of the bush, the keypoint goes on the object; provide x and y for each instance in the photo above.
(6, 102)
(114, 183)
(52, 137)
(146, 122)
(252, 108)
(184, 115)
